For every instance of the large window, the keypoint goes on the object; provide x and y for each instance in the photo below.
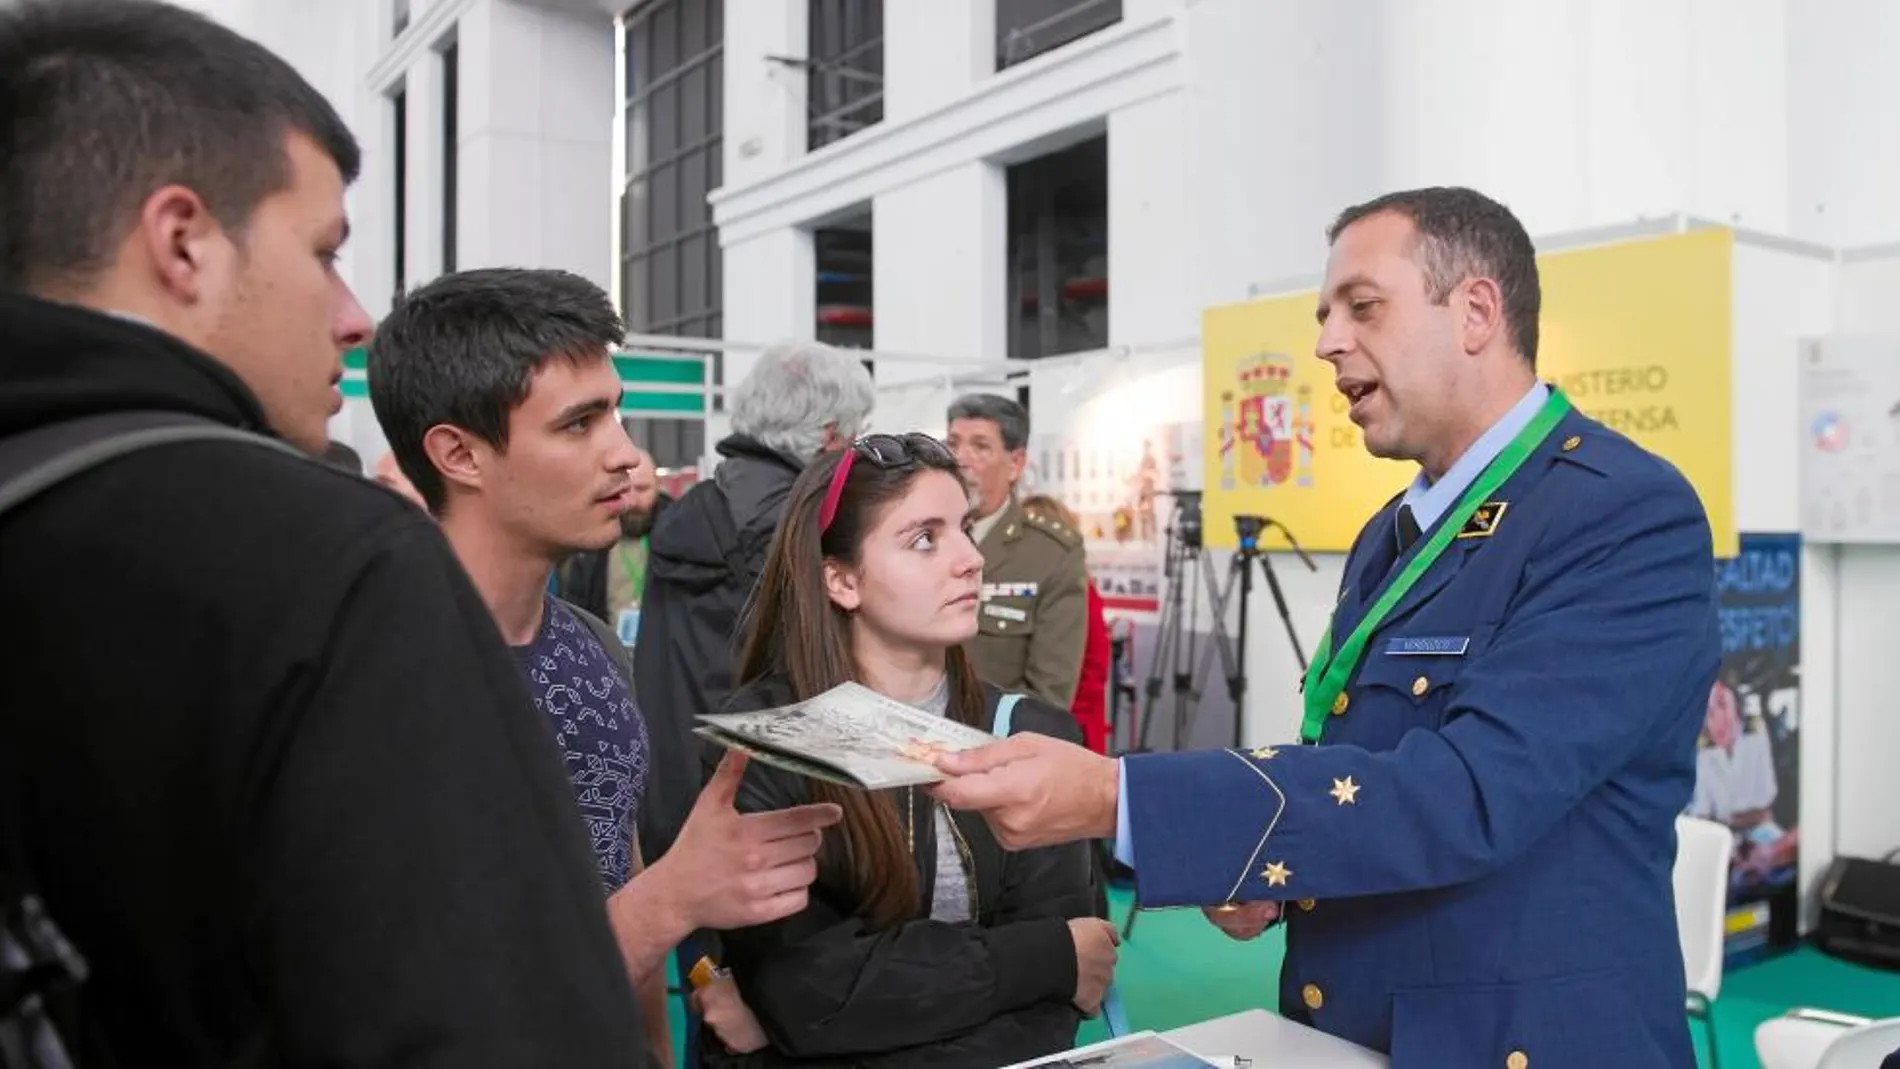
(399, 111)
(451, 151)
(669, 250)
(845, 67)
(843, 253)
(1058, 252)
(1028, 28)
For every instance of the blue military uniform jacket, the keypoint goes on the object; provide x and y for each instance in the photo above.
(1476, 856)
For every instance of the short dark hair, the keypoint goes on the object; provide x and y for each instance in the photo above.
(464, 349)
(1011, 419)
(1464, 234)
(103, 102)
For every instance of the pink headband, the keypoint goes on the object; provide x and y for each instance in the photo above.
(830, 511)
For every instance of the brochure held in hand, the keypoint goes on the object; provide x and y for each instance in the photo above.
(850, 735)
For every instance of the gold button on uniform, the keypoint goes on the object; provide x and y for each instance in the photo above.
(1002, 625)
(1308, 904)
(1420, 686)
(1340, 703)
(1518, 1060)
(1570, 445)
(1313, 996)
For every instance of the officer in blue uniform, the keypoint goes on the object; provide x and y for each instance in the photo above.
(1471, 844)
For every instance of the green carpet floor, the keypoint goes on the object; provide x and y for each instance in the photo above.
(1177, 970)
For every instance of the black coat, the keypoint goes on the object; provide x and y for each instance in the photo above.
(704, 559)
(925, 994)
(269, 760)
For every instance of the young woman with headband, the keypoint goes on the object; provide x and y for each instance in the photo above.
(925, 942)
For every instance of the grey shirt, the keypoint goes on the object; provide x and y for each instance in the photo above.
(950, 897)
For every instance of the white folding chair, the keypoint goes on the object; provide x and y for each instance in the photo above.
(1701, 882)
(1818, 1039)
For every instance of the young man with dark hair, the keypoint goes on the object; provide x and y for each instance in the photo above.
(302, 813)
(499, 397)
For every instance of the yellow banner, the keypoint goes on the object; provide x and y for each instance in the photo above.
(1636, 333)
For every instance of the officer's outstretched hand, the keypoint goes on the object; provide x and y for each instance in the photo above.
(1243, 920)
(1033, 790)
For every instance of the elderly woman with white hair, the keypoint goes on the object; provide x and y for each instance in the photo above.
(706, 552)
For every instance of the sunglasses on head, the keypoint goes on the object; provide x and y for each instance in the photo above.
(886, 451)
(897, 450)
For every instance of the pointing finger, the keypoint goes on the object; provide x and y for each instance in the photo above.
(792, 823)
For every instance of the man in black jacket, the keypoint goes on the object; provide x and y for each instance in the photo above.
(269, 762)
(707, 550)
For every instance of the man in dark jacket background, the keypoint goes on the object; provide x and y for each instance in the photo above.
(269, 764)
(706, 552)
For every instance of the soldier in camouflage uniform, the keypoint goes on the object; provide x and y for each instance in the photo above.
(1032, 625)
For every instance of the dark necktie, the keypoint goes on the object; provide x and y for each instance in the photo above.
(1407, 527)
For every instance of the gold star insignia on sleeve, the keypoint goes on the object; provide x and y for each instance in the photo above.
(1276, 874)
(1345, 791)
(1265, 753)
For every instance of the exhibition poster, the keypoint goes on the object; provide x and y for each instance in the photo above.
(1850, 440)
(1636, 333)
(1118, 482)
(1748, 755)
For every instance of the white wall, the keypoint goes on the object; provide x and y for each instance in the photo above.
(1859, 791)
(950, 301)
(536, 137)
(764, 101)
(1842, 154)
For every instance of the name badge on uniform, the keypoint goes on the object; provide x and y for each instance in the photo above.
(627, 626)
(1435, 646)
(1005, 612)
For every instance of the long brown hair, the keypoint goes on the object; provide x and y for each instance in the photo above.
(794, 630)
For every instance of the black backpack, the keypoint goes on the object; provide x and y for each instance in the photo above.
(41, 972)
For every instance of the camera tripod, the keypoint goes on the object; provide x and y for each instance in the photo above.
(1176, 646)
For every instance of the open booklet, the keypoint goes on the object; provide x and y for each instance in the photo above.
(1142, 1050)
(850, 734)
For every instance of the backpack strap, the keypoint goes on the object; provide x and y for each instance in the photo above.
(1113, 1015)
(42, 458)
(1005, 715)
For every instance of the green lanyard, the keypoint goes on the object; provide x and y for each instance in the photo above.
(1326, 676)
(636, 577)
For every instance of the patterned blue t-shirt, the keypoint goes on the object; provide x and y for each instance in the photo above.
(600, 731)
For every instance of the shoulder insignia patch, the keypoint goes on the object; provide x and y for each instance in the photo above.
(1484, 522)
(1056, 529)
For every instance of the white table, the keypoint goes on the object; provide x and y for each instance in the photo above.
(1273, 1042)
